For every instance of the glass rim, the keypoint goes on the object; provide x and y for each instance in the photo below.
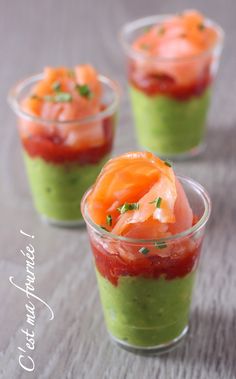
(15, 91)
(186, 233)
(131, 26)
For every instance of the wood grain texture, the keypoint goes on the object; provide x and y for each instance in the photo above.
(75, 344)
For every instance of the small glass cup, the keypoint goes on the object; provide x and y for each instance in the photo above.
(170, 111)
(58, 172)
(146, 285)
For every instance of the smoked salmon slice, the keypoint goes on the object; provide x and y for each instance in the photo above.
(138, 195)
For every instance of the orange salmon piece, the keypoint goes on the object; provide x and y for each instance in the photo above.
(123, 180)
(184, 36)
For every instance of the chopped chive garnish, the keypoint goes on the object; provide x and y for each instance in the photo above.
(35, 97)
(56, 86)
(168, 164)
(128, 207)
(160, 245)
(49, 98)
(60, 97)
(109, 220)
(84, 90)
(146, 29)
(103, 227)
(63, 97)
(161, 31)
(144, 250)
(71, 74)
(157, 202)
(144, 46)
(124, 208)
(201, 26)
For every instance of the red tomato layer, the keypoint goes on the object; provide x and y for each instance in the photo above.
(52, 147)
(153, 84)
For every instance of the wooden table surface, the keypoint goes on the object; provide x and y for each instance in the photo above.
(75, 345)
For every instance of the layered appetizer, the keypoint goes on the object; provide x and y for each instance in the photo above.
(146, 227)
(172, 62)
(66, 123)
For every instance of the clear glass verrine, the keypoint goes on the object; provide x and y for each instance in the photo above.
(170, 97)
(146, 285)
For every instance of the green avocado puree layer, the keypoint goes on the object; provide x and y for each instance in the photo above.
(168, 126)
(57, 189)
(145, 312)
